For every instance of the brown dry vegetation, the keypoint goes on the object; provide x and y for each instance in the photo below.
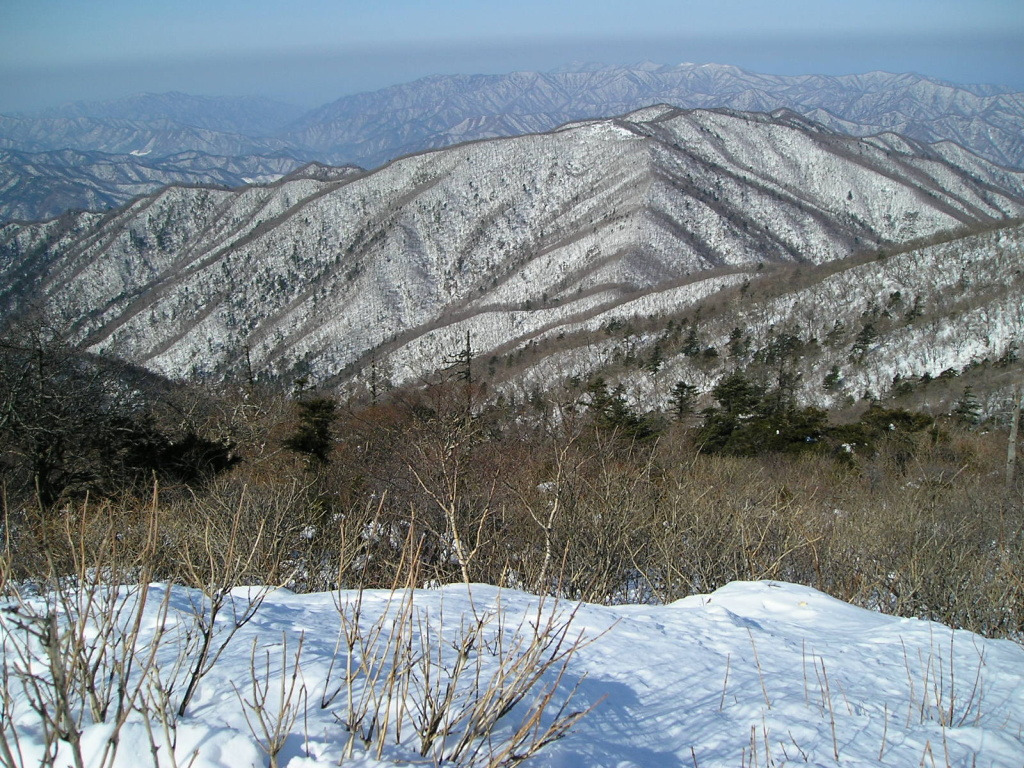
(922, 525)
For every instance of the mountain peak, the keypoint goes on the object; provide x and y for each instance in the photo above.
(647, 66)
(579, 66)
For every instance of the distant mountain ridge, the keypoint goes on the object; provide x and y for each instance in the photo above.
(42, 185)
(99, 155)
(512, 241)
(116, 136)
(370, 129)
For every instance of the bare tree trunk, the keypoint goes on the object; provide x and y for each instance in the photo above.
(1011, 448)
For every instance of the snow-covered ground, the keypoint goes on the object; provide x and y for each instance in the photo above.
(754, 674)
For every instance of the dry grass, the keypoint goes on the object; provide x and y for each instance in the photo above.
(926, 529)
(421, 497)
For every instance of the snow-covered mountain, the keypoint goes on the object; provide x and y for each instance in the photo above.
(41, 185)
(508, 239)
(371, 128)
(878, 326)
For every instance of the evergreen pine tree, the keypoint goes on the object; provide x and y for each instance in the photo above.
(312, 436)
(865, 338)
(967, 408)
(691, 346)
(682, 399)
(832, 378)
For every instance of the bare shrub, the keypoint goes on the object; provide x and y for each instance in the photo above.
(481, 693)
(271, 719)
(82, 631)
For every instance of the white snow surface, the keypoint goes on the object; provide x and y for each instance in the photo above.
(754, 674)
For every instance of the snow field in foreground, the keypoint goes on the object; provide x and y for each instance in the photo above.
(754, 674)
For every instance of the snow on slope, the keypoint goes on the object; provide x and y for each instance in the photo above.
(969, 292)
(313, 276)
(754, 674)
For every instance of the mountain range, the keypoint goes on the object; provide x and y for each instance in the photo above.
(555, 240)
(370, 129)
(46, 184)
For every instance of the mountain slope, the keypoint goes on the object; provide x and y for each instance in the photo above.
(314, 276)
(374, 127)
(884, 325)
(96, 155)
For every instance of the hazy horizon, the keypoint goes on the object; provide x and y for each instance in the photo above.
(54, 52)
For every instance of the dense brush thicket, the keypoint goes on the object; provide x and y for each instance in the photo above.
(589, 501)
(71, 425)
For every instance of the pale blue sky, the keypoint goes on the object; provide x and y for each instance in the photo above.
(313, 51)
